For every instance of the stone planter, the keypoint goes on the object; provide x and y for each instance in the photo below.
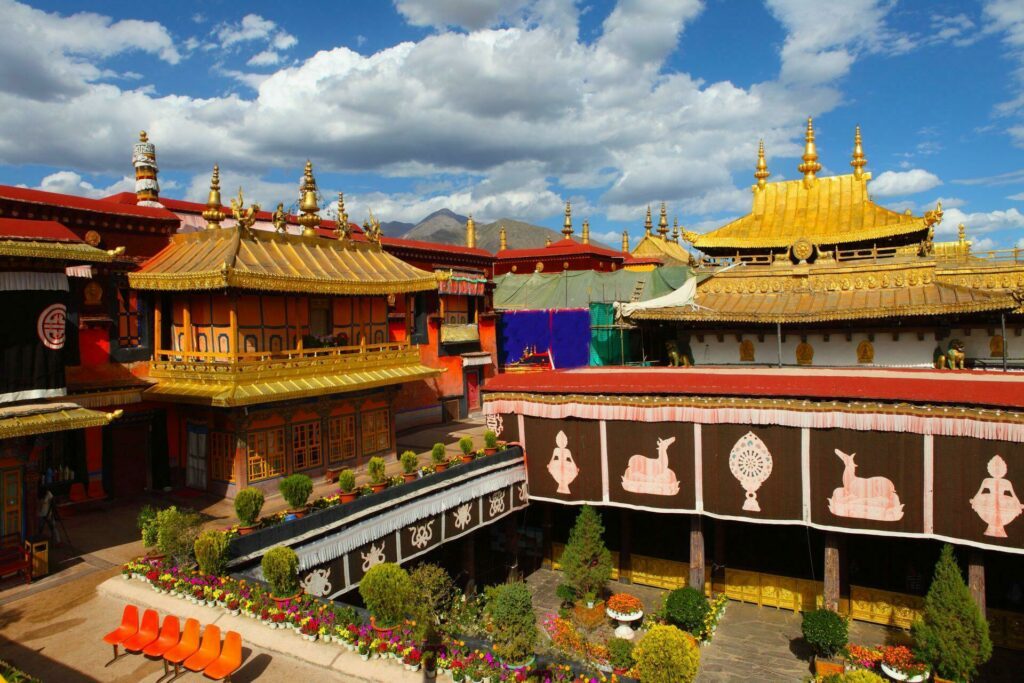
(898, 675)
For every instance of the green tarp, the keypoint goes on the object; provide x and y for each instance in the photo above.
(580, 288)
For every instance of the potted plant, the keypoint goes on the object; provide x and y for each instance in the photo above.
(509, 612)
(281, 570)
(953, 635)
(625, 609)
(667, 654)
(409, 464)
(586, 562)
(211, 549)
(899, 664)
(387, 591)
(429, 664)
(248, 504)
(296, 489)
(466, 446)
(437, 456)
(376, 467)
(620, 655)
(347, 484)
(490, 442)
(177, 531)
(827, 633)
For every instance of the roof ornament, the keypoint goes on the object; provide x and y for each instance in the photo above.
(961, 233)
(344, 229)
(647, 220)
(214, 213)
(502, 239)
(585, 235)
(470, 232)
(279, 220)
(625, 241)
(675, 229)
(310, 217)
(859, 161)
(810, 166)
(934, 216)
(761, 172)
(567, 224)
(147, 189)
(245, 217)
(371, 226)
(663, 223)
(547, 241)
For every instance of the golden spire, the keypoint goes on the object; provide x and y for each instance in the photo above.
(761, 173)
(663, 223)
(675, 229)
(147, 189)
(310, 217)
(547, 241)
(344, 229)
(502, 239)
(647, 220)
(585, 235)
(213, 213)
(858, 162)
(625, 241)
(810, 166)
(962, 233)
(470, 232)
(567, 224)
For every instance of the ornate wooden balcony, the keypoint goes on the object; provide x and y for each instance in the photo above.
(226, 379)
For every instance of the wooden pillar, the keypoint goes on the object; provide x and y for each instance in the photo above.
(832, 571)
(718, 558)
(626, 546)
(157, 327)
(512, 547)
(186, 321)
(233, 325)
(976, 576)
(696, 553)
(546, 540)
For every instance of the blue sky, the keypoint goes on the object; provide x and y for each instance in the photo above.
(509, 107)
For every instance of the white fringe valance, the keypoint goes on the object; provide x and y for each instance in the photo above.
(17, 281)
(332, 547)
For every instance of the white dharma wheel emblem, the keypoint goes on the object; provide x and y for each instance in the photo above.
(751, 464)
(50, 326)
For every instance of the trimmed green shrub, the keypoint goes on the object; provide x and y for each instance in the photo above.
(146, 523)
(667, 655)
(281, 570)
(437, 453)
(620, 653)
(490, 439)
(509, 609)
(466, 445)
(211, 550)
(347, 480)
(434, 590)
(248, 504)
(586, 562)
(376, 467)
(825, 631)
(388, 593)
(686, 608)
(296, 489)
(953, 635)
(566, 593)
(409, 462)
(177, 531)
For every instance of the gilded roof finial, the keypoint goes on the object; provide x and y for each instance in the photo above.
(962, 232)
(647, 220)
(675, 229)
(213, 213)
(585, 235)
(470, 232)
(625, 241)
(567, 224)
(310, 217)
(502, 239)
(761, 172)
(147, 189)
(547, 241)
(810, 166)
(279, 220)
(245, 217)
(858, 162)
(371, 228)
(663, 223)
(344, 229)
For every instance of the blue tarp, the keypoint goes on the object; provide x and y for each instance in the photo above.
(565, 332)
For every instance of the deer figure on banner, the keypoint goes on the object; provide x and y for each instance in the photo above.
(865, 498)
(652, 475)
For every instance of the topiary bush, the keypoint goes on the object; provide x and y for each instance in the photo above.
(281, 570)
(953, 634)
(509, 610)
(825, 631)
(248, 504)
(490, 439)
(377, 469)
(437, 453)
(620, 653)
(146, 523)
(388, 593)
(177, 531)
(586, 562)
(347, 480)
(434, 590)
(466, 445)
(667, 655)
(296, 489)
(686, 608)
(211, 550)
(409, 462)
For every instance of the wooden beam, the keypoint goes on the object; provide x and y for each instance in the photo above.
(157, 325)
(976, 578)
(186, 319)
(233, 324)
(832, 571)
(696, 553)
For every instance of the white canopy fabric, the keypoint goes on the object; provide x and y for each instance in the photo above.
(683, 296)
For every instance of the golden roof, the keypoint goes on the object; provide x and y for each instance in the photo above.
(263, 260)
(825, 211)
(63, 251)
(44, 418)
(649, 245)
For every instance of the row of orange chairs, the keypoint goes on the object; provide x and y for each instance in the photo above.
(177, 648)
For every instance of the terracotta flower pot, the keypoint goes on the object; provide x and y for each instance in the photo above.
(282, 601)
(246, 530)
(467, 458)
(440, 467)
(409, 477)
(490, 451)
(824, 667)
(347, 497)
(300, 513)
(377, 488)
(383, 631)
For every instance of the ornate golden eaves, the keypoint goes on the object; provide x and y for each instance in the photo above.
(48, 419)
(63, 251)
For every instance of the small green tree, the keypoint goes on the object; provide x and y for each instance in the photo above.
(667, 655)
(347, 480)
(388, 593)
(409, 462)
(248, 504)
(953, 635)
(212, 552)
(377, 469)
(177, 531)
(586, 561)
(509, 609)
(490, 439)
(296, 490)
(280, 567)
(437, 453)
(146, 522)
(466, 445)
(825, 631)
(435, 592)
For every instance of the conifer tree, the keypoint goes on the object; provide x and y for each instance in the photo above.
(953, 635)
(586, 561)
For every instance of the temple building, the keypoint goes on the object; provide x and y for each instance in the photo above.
(660, 249)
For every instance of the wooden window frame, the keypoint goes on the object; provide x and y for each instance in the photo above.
(373, 430)
(341, 438)
(307, 445)
(260, 460)
(220, 453)
(129, 319)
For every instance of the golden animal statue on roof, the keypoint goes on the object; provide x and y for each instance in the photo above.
(245, 217)
(371, 226)
(278, 218)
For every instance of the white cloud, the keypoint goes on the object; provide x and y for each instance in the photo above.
(473, 15)
(1007, 17)
(69, 182)
(255, 29)
(265, 58)
(1019, 197)
(980, 222)
(984, 244)
(895, 183)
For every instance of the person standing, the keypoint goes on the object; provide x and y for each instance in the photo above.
(45, 513)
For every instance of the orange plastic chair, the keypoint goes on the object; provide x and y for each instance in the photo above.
(168, 638)
(208, 652)
(229, 661)
(185, 648)
(147, 633)
(128, 628)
